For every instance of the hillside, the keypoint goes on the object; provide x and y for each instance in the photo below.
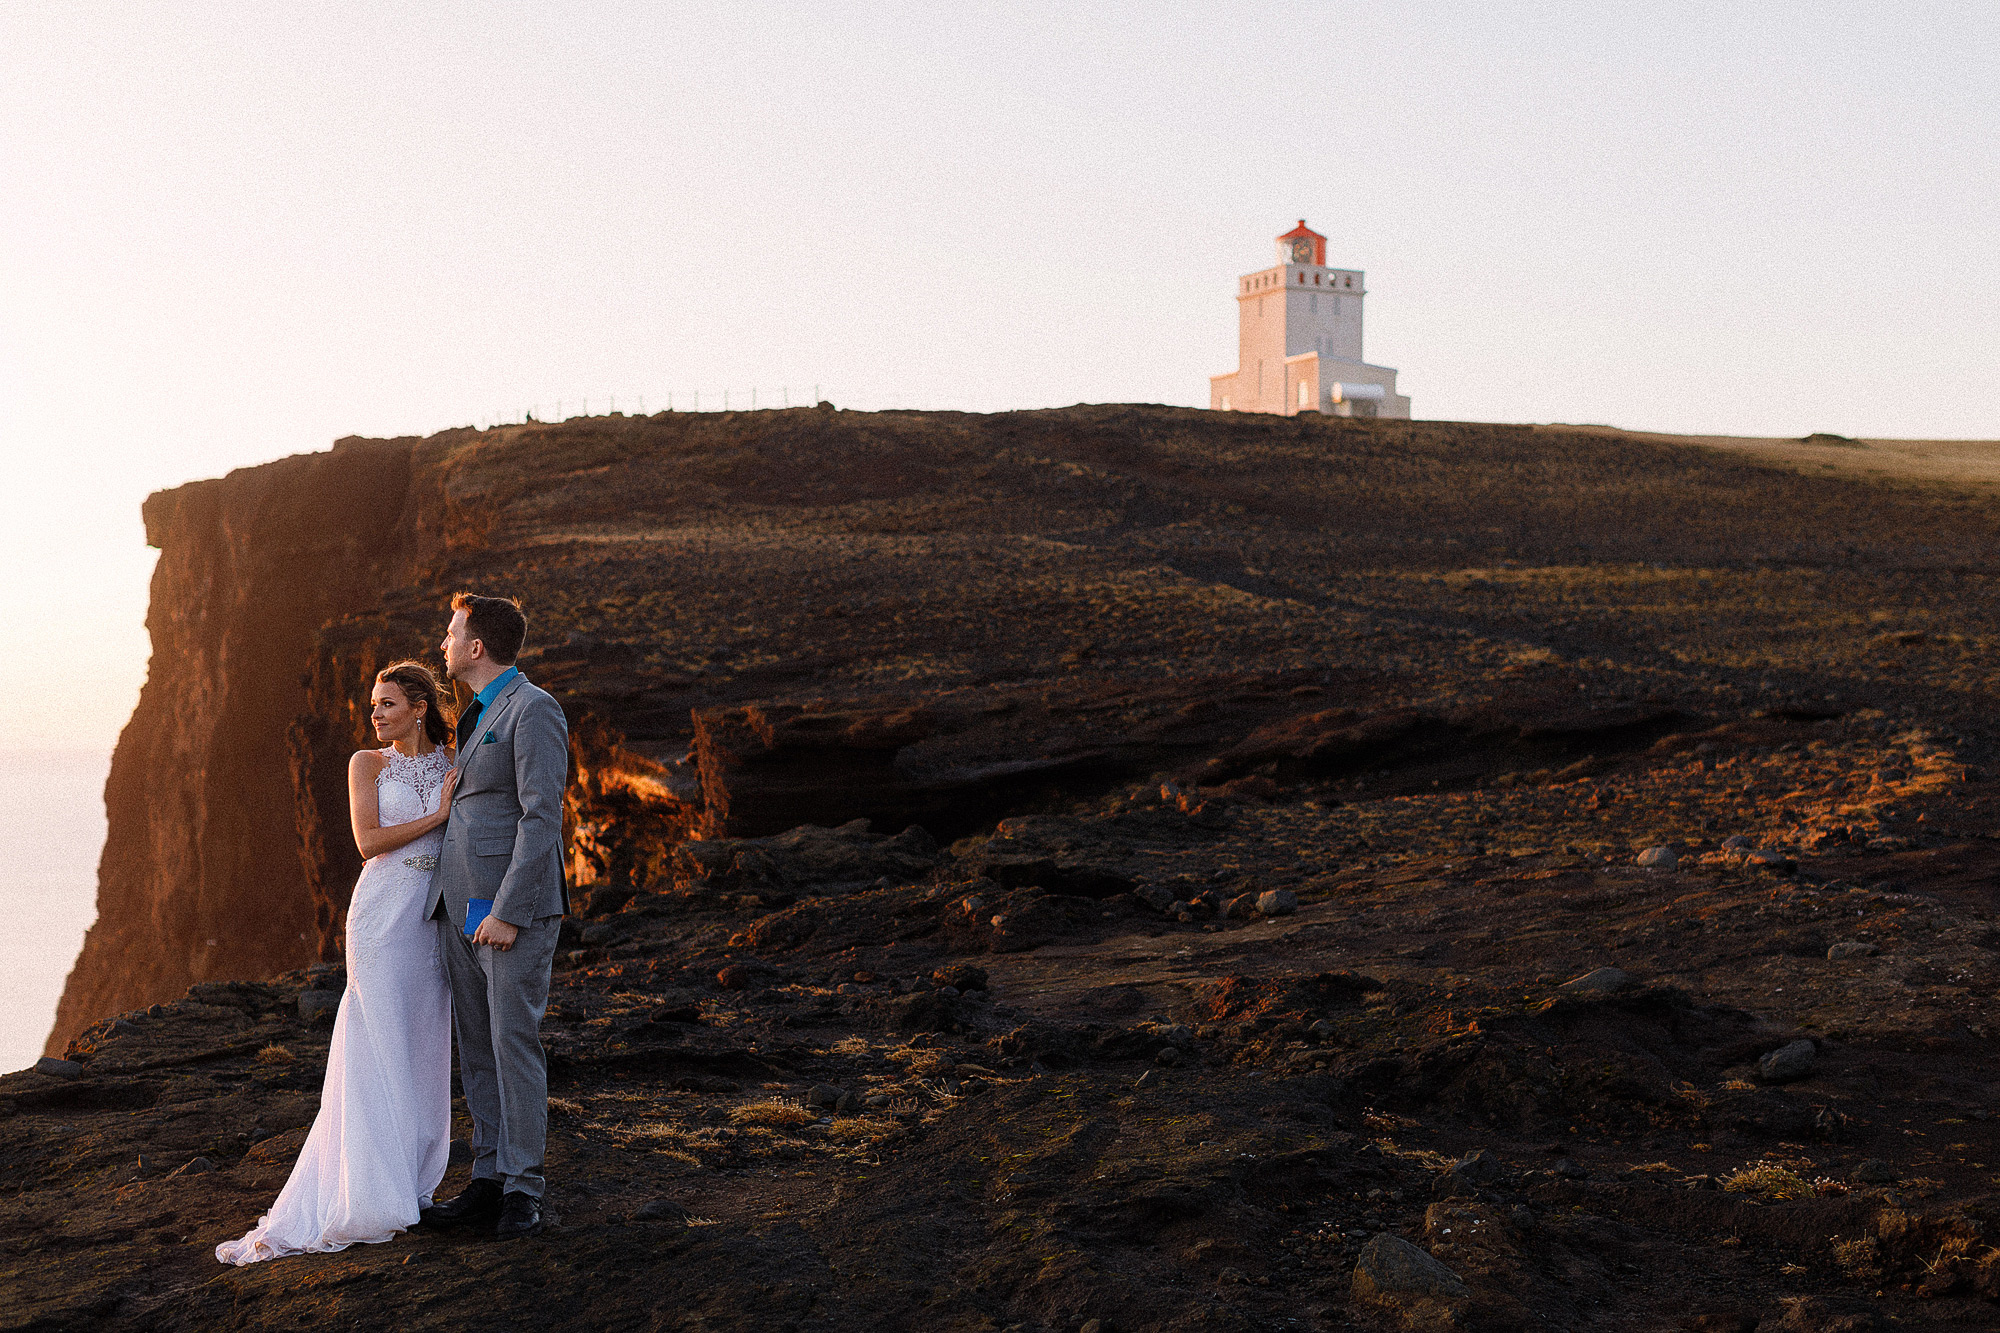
(1118, 671)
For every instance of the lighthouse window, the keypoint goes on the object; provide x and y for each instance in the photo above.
(1305, 394)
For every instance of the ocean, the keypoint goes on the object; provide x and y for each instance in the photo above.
(51, 829)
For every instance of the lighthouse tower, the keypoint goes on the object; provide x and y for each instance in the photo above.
(1299, 340)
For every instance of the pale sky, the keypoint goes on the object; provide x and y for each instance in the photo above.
(231, 232)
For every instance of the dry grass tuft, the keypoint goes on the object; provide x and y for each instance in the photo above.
(770, 1111)
(853, 1127)
(1767, 1180)
(921, 1063)
(850, 1046)
(564, 1109)
(275, 1055)
(1859, 1259)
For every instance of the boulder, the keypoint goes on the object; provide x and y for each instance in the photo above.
(1394, 1275)
(805, 860)
(661, 1210)
(964, 976)
(1277, 902)
(1602, 981)
(1769, 858)
(1789, 1063)
(745, 976)
(1852, 949)
(1659, 858)
(55, 1068)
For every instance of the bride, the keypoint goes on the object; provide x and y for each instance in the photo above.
(379, 1145)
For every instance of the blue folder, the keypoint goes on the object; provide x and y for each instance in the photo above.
(476, 910)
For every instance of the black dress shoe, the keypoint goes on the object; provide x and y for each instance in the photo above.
(520, 1215)
(477, 1205)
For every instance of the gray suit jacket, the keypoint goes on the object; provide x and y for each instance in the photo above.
(504, 838)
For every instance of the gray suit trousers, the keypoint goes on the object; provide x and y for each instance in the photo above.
(506, 1083)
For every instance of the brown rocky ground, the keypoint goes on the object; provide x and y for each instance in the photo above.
(1431, 688)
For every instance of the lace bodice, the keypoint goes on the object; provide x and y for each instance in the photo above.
(407, 788)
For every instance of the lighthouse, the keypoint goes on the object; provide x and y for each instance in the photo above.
(1299, 340)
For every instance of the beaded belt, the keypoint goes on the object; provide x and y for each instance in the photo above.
(426, 862)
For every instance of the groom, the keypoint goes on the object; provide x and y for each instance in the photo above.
(503, 847)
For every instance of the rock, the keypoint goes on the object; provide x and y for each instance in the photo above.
(200, 1166)
(1396, 1275)
(313, 1004)
(1167, 1056)
(1770, 858)
(1788, 1064)
(1874, 1171)
(598, 934)
(1056, 874)
(1242, 907)
(661, 1210)
(1277, 902)
(1659, 858)
(825, 1095)
(1603, 981)
(55, 1068)
(877, 1099)
(1568, 1168)
(1158, 897)
(962, 976)
(1852, 949)
(1478, 1167)
(1092, 1326)
(808, 858)
(1737, 843)
(847, 1104)
(1321, 1029)
(743, 976)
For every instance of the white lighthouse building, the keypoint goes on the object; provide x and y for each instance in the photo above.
(1299, 340)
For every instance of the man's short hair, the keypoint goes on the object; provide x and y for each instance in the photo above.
(496, 622)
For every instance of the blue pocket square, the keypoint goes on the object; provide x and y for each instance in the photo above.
(490, 738)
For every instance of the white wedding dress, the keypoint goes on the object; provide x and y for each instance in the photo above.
(379, 1144)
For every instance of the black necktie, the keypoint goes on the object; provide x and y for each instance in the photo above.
(469, 720)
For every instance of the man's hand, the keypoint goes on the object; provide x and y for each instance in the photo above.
(495, 932)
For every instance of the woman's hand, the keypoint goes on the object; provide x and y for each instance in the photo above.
(444, 792)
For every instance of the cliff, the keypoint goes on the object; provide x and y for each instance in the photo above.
(200, 875)
(1118, 866)
(763, 619)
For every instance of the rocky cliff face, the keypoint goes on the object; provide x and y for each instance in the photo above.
(761, 620)
(1252, 928)
(201, 874)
